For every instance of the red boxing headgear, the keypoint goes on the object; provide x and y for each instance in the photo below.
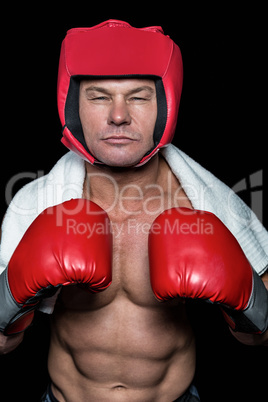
(116, 49)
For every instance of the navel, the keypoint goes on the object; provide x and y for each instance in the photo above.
(119, 387)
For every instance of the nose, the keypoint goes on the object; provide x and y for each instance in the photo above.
(119, 113)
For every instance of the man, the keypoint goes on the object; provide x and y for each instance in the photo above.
(117, 226)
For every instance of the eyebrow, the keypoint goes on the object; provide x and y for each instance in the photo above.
(132, 91)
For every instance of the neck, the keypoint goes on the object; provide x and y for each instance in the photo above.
(107, 186)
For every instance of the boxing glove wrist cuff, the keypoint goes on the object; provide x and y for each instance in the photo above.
(254, 319)
(12, 312)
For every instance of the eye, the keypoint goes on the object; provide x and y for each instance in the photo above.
(138, 99)
(101, 98)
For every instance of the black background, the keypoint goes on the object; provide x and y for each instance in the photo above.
(221, 124)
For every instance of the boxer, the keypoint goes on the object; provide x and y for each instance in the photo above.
(125, 256)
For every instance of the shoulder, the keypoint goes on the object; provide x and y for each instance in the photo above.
(49, 189)
(63, 182)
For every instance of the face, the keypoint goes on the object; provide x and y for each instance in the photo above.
(118, 117)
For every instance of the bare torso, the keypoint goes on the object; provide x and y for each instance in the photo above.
(123, 344)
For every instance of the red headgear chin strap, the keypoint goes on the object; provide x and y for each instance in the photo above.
(115, 49)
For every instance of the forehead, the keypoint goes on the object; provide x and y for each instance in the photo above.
(119, 84)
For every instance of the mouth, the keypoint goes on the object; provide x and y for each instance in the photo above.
(119, 140)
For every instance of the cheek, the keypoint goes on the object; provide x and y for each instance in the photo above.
(90, 119)
(149, 129)
(145, 119)
(83, 114)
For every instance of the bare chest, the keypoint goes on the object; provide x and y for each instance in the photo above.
(131, 273)
(130, 226)
(130, 270)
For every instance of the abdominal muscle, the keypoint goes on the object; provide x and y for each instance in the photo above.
(120, 351)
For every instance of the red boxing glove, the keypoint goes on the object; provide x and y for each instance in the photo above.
(193, 255)
(70, 243)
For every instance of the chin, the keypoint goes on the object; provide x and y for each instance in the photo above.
(121, 161)
(121, 164)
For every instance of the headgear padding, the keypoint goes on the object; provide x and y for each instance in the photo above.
(116, 49)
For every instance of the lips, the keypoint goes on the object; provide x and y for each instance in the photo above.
(119, 140)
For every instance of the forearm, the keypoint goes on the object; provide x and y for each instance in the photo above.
(251, 339)
(254, 339)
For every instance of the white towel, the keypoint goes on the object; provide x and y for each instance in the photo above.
(205, 191)
(208, 193)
